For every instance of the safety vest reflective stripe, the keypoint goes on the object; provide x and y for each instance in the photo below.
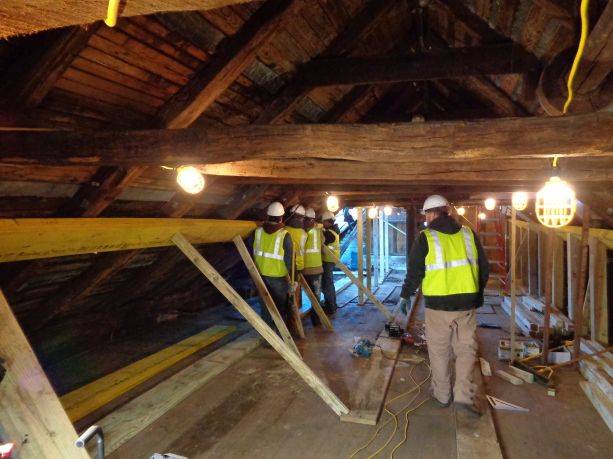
(312, 256)
(314, 235)
(269, 254)
(275, 255)
(299, 238)
(334, 247)
(438, 251)
(451, 263)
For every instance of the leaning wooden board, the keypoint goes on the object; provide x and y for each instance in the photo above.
(31, 415)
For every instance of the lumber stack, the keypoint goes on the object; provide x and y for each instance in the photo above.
(598, 372)
(529, 316)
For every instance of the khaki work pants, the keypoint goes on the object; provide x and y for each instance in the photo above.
(452, 334)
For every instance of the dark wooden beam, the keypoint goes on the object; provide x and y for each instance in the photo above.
(582, 135)
(452, 63)
(19, 18)
(236, 54)
(364, 22)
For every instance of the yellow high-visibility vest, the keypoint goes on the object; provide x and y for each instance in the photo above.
(269, 254)
(312, 252)
(451, 264)
(335, 247)
(299, 238)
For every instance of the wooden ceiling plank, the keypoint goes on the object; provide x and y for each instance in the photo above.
(20, 19)
(363, 23)
(237, 54)
(507, 138)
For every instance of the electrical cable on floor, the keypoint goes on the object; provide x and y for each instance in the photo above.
(394, 416)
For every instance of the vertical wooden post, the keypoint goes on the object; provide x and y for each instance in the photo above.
(578, 313)
(513, 280)
(369, 224)
(382, 238)
(376, 253)
(386, 244)
(315, 303)
(599, 325)
(411, 223)
(557, 295)
(254, 319)
(360, 225)
(573, 263)
(541, 263)
(548, 292)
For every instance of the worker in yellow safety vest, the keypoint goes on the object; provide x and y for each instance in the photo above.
(295, 227)
(332, 240)
(272, 253)
(448, 261)
(313, 268)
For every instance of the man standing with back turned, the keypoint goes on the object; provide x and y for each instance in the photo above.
(449, 262)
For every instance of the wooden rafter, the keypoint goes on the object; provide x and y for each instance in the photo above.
(237, 53)
(582, 135)
(20, 19)
(43, 71)
(289, 97)
(452, 63)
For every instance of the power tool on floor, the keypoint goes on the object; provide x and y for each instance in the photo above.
(394, 330)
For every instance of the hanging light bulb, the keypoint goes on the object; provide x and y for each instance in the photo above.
(332, 203)
(190, 179)
(387, 210)
(461, 211)
(490, 203)
(555, 204)
(520, 200)
(482, 215)
(372, 212)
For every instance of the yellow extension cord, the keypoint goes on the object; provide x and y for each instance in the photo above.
(111, 13)
(582, 40)
(394, 417)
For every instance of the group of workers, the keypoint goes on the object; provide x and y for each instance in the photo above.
(447, 261)
(289, 244)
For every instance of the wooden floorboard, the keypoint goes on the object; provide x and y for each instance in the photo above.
(259, 408)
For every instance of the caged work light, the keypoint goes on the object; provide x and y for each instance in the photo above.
(555, 204)
(461, 211)
(482, 215)
(490, 203)
(372, 212)
(332, 203)
(387, 210)
(520, 200)
(190, 179)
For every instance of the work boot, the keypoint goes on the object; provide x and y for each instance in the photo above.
(437, 402)
(315, 320)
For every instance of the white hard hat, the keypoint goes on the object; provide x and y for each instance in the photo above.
(327, 215)
(310, 213)
(434, 201)
(297, 209)
(275, 209)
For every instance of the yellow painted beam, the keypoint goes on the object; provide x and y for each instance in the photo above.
(85, 400)
(30, 238)
(604, 235)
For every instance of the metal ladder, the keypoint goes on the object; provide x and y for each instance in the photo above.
(491, 231)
